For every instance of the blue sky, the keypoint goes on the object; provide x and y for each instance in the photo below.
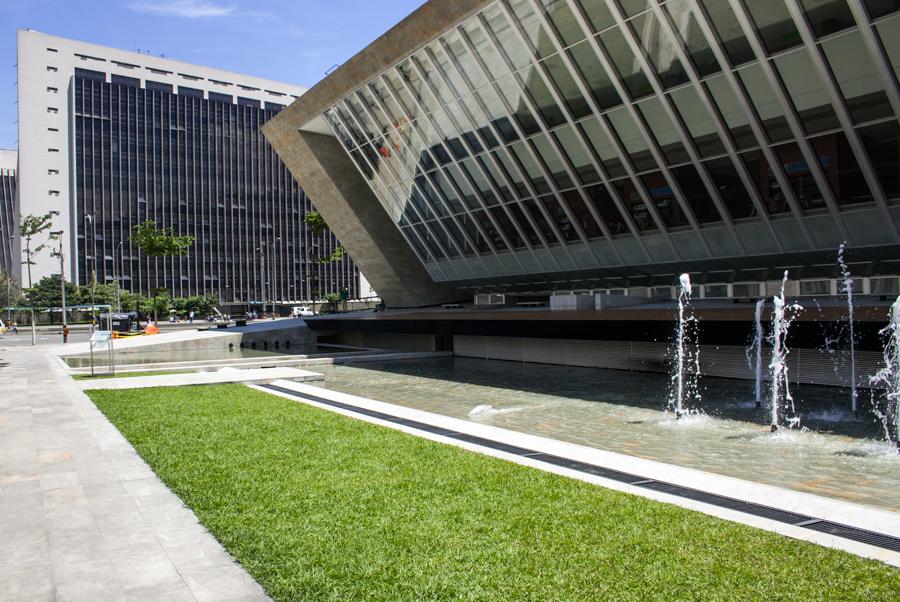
(294, 41)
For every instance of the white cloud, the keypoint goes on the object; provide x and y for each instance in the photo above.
(189, 9)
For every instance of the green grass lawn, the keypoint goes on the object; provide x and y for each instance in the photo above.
(129, 374)
(318, 506)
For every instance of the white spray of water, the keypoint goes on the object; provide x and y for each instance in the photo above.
(754, 350)
(780, 393)
(888, 378)
(686, 370)
(847, 286)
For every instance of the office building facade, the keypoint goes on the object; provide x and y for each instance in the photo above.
(607, 145)
(109, 139)
(8, 228)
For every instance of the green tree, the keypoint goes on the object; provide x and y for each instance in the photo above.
(10, 290)
(46, 293)
(315, 222)
(156, 241)
(317, 226)
(29, 227)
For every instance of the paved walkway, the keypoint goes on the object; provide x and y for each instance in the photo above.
(250, 376)
(82, 517)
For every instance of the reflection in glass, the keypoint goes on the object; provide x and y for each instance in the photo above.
(631, 138)
(519, 217)
(800, 177)
(603, 147)
(685, 25)
(634, 204)
(774, 24)
(773, 197)
(765, 101)
(663, 129)
(563, 21)
(576, 154)
(732, 112)
(841, 169)
(546, 153)
(582, 214)
(623, 60)
(698, 120)
(594, 75)
(828, 16)
(729, 31)
(531, 26)
(658, 48)
(731, 188)
(559, 217)
(889, 32)
(883, 146)
(606, 208)
(879, 8)
(663, 198)
(597, 12)
(535, 212)
(568, 89)
(696, 194)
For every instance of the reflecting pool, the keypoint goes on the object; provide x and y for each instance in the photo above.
(159, 355)
(832, 455)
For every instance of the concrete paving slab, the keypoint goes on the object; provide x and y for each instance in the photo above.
(82, 516)
(226, 375)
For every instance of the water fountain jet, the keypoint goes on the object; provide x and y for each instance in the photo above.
(780, 392)
(686, 368)
(754, 351)
(888, 378)
(847, 287)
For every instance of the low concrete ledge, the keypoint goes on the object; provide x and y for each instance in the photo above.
(255, 376)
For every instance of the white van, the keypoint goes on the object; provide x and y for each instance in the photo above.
(302, 311)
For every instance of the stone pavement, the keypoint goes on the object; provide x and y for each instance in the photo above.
(82, 517)
(249, 376)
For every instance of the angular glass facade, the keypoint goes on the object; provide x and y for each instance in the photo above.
(555, 137)
(8, 221)
(202, 167)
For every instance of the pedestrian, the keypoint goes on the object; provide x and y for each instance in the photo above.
(15, 327)
(66, 333)
(191, 317)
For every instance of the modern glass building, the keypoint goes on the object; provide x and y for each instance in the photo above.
(110, 139)
(540, 145)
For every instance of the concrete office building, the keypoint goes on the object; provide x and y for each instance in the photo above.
(541, 146)
(109, 138)
(8, 256)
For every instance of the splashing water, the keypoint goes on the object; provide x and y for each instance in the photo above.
(780, 393)
(888, 378)
(487, 409)
(847, 287)
(754, 350)
(686, 368)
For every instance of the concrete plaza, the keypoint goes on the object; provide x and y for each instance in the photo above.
(82, 517)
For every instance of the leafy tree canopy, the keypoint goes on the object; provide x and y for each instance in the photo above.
(155, 241)
(46, 293)
(315, 222)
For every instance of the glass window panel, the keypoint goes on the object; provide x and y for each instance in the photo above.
(532, 28)
(490, 231)
(439, 179)
(381, 93)
(441, 235)
(434, 78)
(597, 13)
(420, 91)
(543, 99)
(634, 204)
(474, 234)
(663, 198)
(594, 75)
(468, 65)
(535, 212)
(699, 122)
(506, 225)
(567, 87)
(828, 16)
(729, 31)
(456, 233)
(513, 94)
(841, 169)
(582, 214)
(765, 101)
(879, 8)
(497, 176)
(800, 177)
(400, 92)
(558, 215)
(603, 147)
(696, 194)
(856, 76)
(495, 112)
(457, 85)
(663, 129)
(633, 7)
(475, 115)
(806, 91)
(658, 49)
(607, 209)
(889, 32)
(481, 182)
(432, 139)
(631, 138)
(563, 21)
(729, 106)
(513, 170)
(414, 242)
(770, 191)
(883, 146)
(484, 49)
(577, 155)
(531, 168)
(462, 184)
(685, 25)
(507, 37)
(429, 240)
(629, 71)
(552, 161)
(774, 24)
(519, 216)
(731, 188)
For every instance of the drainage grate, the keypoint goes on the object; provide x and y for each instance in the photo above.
(871, 538)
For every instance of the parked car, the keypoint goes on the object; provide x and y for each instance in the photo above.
(302, 311)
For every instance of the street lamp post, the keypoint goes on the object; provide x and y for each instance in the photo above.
(62, 274)
(272, 273)
(90, 218)
(262, 281)
(9, 289)
(119, 273)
